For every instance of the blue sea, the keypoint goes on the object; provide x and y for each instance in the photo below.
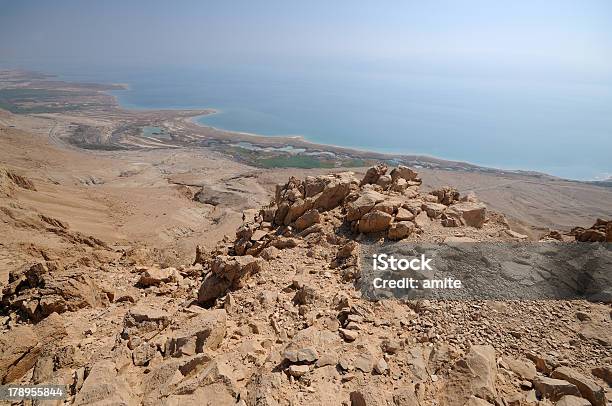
(560, 127)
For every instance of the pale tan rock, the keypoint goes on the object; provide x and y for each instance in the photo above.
(473, 375)
(18, 353)
(446, 195)
(373, 174)
(374, 221)
(228, 271)
(335, 191)
(516, 235)
(404, 215)
(434, 210)
(298, 370)
(524, 369)
(308, 219)
(363, 204)
(405, 396)
(156, 276)
(143, 353)
(199, 333)
(381, 366)
(399, 185)
(474, 401)
(554, 389)
(404, 172)
(587, 387)
(604, 372)
(297, 209)
(384, 181)
(472, 214)
(400, 230)
(364, 363)
(103, 386)
(348, 335)
(569, 400)
(422, 220)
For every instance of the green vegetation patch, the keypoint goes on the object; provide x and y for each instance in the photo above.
(23, 101)
(295, 161)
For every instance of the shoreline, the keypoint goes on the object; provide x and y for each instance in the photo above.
(300, 141)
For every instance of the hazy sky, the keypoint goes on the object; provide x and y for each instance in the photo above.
(558, 36)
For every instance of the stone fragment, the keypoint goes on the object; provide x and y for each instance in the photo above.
(473, 375)
(472, 214)
(326, 359)
(524, 369)
(373, 174)
(391, 346)
(307, 219)
(348, 335)
(516, 235)
(156, 276)
(589, 389)
(143, 353)
(363, 204)
(384, 181)
(446, 195)
(404, 172)
(405, 396)
(298, 371)
(569, 400)
(381, 366)
(335, 191)
(603, 372)
(434, 210)
(18, 353)
(400, 230)
(400, 185)
(422, 220)
(554, 389)
(104, 387)
(363, 363)
(404, 215)
(374, 221)
(203, 331)
(228, 272)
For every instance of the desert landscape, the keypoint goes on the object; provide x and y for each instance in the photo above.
(145, 259)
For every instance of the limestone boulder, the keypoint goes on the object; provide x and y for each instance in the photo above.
(18, 353)
(374, 221)
(404, 172)
(587, 387)
(104, 386)
(472, 214)
(554, 389)
(433, 210)
(373, 174)
(446, 195)
(400, 230)
(363, 204)
(384, 181)
(337, 188)
(228, 272)
(307, 219)
(204, 331)
(473, 375)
